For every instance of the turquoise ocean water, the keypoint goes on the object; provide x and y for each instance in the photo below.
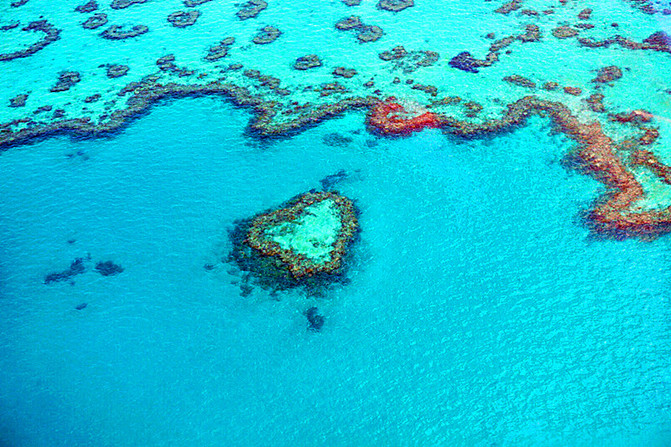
(479, 312)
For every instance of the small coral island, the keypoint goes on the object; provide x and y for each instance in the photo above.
(303, 243)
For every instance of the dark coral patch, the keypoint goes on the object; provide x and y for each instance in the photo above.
(182, 19)
(116, 32)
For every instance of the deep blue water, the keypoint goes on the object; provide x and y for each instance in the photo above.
(480, 312)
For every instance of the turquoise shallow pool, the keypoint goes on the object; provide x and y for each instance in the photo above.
(478, 309)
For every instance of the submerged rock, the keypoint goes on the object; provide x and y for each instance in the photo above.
(330, 180)
(315, 321)
(77, 267)
(108, 268)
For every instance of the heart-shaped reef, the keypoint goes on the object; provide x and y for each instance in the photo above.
(304, 240)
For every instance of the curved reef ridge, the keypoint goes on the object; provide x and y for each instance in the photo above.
(447, 84)
(616, 214)
(302, 243)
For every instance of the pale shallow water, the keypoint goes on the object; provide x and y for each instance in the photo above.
(479, 312)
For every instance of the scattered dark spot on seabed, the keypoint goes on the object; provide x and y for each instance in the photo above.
(315, 321)
(330, 180)
(108, 268)
(77, 267)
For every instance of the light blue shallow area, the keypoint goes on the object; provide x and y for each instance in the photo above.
(479, 312)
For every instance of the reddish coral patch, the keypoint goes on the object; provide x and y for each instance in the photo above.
(391, 118)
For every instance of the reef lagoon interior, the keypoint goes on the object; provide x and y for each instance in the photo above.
(497, 270)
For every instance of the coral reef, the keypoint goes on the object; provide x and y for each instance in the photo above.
(116, 32)
(395, 5)
(18, 100)
(302, 243)
(268, 34)
(216, 52)
(344, 72)
(509, 7)
(520, 81)
(122, 4)
(365, 33)
(283, 103)
(614, 216)
(51, 34)
(307, 62)
(608, 74)
(391, 118)
(87, 7)
(182, 19)
(251, 9)
(66, 80)
(95, 21)
(117, 70)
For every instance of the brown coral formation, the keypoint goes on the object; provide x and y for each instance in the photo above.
(251, 9)
(344, 72)
(509, 7)
(608, 74)
(649, 160)
(216, 52)
(182, 19)
(585, 14)
(369, 33)
(395, 53)
(348, 23)
(66, 80)
(307, 62)
(117, 70)
(575, 91)
(520, 81)
(428, 89)
(595, 102)
(466, 62)
(365, 33)
(300, 265)
(116, 32)
(409, 61)
(564, 32)
(659, 41)
(122, 4)
(51, 34)
(194, 3)
(87, 7)
(18, 101)
(95, 21)
(268, 34)
(395, 5)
